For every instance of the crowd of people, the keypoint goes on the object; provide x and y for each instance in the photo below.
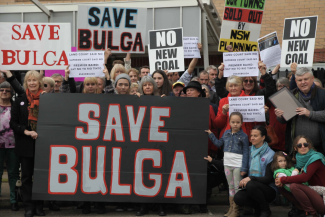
(259, 160)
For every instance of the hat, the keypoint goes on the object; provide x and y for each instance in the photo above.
(178, 83)
(122, 76)
(196, 85)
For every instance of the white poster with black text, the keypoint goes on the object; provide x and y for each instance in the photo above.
(166, 50)
(298, 42)
(190, 47)
(86, 64)
(251, 107)
(241, 64)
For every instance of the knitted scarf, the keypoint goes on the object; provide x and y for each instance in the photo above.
(303, 161)
(256, 153)
(33, 100)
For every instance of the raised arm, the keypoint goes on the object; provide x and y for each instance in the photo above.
(13, 82)
(270, 87)
(293, 84)
(220, 83)
(127, 62)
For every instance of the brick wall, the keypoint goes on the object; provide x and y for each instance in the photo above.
(277, 10)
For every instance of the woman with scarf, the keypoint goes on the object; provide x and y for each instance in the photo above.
(312, 165)
(24, 114)
(258, 189)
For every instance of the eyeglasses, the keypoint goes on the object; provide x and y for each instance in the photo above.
(90, 84)
(248, 81)
(302, 144)
(4, 90)
(45, 85)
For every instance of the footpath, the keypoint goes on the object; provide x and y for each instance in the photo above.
(217, 205)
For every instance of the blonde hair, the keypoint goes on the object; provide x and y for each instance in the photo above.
(90, 80)
(134, 85)
(234, 80)
(49, 80)
(117, 67)
(136, 72)
(35, 74)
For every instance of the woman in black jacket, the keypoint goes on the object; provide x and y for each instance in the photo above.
(24, 114)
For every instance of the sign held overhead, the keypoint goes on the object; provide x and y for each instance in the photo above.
(166, 50)
(299, 41)
(120, 29)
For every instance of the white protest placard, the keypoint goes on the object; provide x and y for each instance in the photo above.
(251, 107)
(122, 29)
(270, 50)
(298, 41)
(166, 50)
(37, 46)
(86, 64)
(241, 64)
(190, 47)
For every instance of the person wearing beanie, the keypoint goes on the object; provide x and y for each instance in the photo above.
(122, 84)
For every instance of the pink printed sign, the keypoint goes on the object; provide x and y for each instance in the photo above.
(49, 73)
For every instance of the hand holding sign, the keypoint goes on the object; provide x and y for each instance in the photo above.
(262, 67)
(7, 73)
(293, 67)
(67, 73)
(220, 69)
(278, 113)
(225, 109)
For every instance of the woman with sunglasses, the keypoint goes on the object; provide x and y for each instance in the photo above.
(250, 85)
(312, 166)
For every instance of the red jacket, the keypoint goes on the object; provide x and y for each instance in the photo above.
(279, 129)
(222, 121)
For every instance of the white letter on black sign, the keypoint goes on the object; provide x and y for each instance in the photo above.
(66, 168)
(155, 123)
(171, 38)
(92, 132)
(116, 187)
(139, 188)
(179, 167)
(114, 122)
(161, 39)
(305, 27)
(98, 184)
(135, 126)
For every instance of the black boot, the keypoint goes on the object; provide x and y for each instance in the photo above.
(203, 208)
(143, 210)
(162, 211)
(39, 212)
(86, 208)
(14, 207)
(29, 213)
(101, 208)
(266, 213)
(54, 206)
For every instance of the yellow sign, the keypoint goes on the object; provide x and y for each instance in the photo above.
(237, 45)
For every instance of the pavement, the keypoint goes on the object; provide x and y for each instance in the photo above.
(217, 205)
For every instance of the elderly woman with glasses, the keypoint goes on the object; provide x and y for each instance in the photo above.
(312, 166)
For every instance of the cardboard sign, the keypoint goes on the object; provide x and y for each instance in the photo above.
(86, 64)
(241, 64)
(298, 41)
(190, 47)
(121, 148)
(270, 50)
(241, 24)
(252, 107)
(34, 46)
(122, 29)
(166, 50)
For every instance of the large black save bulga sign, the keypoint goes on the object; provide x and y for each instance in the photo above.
(121, 149)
